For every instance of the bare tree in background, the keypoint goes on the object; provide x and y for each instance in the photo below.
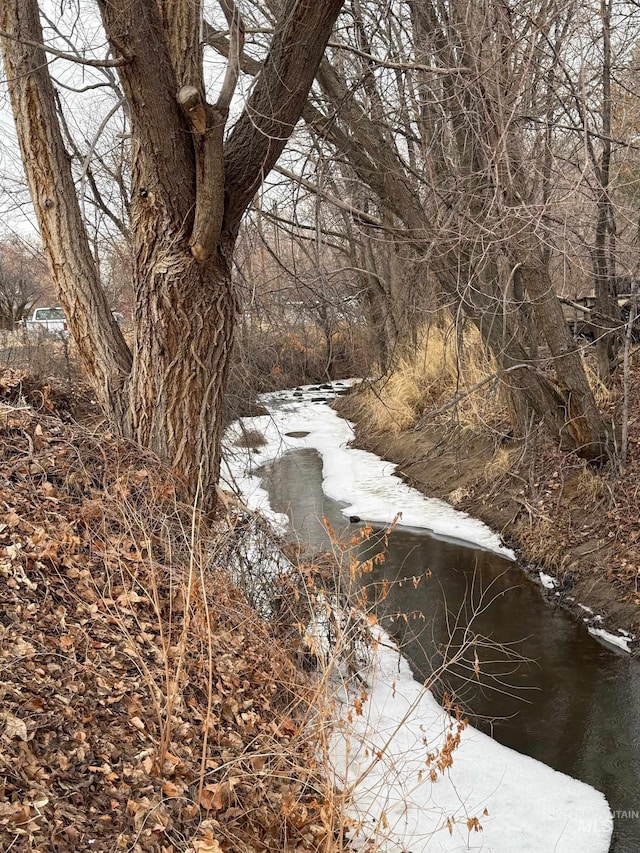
(190, 187)
(457, 178)
(23, 277)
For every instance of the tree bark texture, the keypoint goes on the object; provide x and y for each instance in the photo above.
(184, 324)
(189, 192)
(584, 429)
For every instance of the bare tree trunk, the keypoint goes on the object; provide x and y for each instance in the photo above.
(606, 309)
(379, 301)
(563, 405)
(189, 192)
(102, 348)
(624, 441)
(481, 131)
(585, 430)
(184, 337)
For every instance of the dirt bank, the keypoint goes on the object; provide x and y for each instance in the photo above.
(580, 526)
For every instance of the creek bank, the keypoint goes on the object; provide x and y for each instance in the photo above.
(579, 527)
(144, 704)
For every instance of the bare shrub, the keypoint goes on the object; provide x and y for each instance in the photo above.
(40, 356)
(250, 438)
(271, 356)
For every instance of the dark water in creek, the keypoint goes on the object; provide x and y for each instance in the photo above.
(546, 687)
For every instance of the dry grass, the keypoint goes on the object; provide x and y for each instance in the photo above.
(587, 487)
(40, 357)
(442, 367)
(602, 394)
(500, 464)
(250, 438)
(539, 543)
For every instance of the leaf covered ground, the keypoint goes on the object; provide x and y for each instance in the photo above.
(144, 706)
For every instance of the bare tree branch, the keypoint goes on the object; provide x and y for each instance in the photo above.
(400, 66)
(70, 57)
(236, 47)
(218, 40)
(276, 101)
(359, 215)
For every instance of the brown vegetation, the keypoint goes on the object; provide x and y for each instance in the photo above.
(269, 356)
(144, 705)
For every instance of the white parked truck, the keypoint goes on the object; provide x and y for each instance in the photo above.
(46, 321)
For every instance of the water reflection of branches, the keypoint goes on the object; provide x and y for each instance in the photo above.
(444, 644)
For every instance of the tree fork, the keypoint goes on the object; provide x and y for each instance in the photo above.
(207, 124)
(186, 207)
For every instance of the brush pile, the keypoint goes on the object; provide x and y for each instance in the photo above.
(144, 706)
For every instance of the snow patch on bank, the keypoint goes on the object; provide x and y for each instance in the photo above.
(546, 580)
(621, 642)
(361, 480)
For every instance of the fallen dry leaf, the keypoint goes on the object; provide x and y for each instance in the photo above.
(208, 844)
(14, 727)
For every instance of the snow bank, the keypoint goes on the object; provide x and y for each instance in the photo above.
(361, 480)
(522, 805)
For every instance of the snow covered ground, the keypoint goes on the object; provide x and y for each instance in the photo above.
(361, 480)
(383, 752)
(387, 730)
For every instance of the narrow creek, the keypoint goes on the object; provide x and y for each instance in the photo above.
(545, 688)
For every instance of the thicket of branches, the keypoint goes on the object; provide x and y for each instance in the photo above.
(483, 159)
(478, 157)
(23, 281)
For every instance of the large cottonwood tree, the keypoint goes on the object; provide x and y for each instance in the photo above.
(191, 183)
